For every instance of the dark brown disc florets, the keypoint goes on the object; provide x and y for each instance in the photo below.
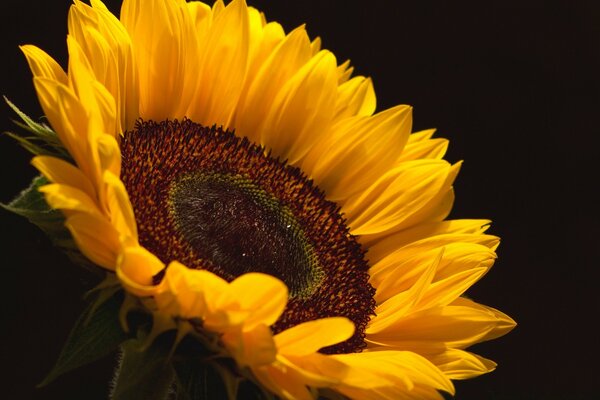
(214, 201)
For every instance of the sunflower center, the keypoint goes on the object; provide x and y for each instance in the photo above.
(234, 224)
(214, 201)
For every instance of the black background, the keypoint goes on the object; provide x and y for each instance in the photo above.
(513, 84)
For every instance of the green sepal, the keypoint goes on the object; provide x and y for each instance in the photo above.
(44, 141)
(31, 204)
(144, 372)
(96, 334)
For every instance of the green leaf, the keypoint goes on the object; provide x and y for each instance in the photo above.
(44, 140)
(96, 334)
(144, 372)
(31, 204)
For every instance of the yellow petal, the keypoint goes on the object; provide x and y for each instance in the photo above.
(63, 197)
(254, 347)
(355, 97)
(289, 56)
(315, 45)
(69, 119)
(96, 238)
(121, 211)
(393, 305)
(427, 331)
(109, 154)
(264, 295)
(344, 72)
(309, 337)
(42, 65)
(60, 171)
(200, 13)
(188, 294)
(107, 45)
(435, 209)
(423, 296)
(136, 268)
(317, 369)
(460, 364)
(376, 141)
(284, 382)
(264, 39)
(400, 270)
(222, 67)
(302, 110)
(504, 323)
(469, 230)
(420, 146)
(166, 83)
(420, 392)
(402, 369)
(392, 202)
(99, 104)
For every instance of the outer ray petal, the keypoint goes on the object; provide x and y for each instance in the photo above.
(100, 105)
(430, 295)
(251, 347)
(69, 119)
(121, 211)
(425, 233)
(504, 323)
(355, 97)
(287, 384)
(201, 15)
(136, 268)
(107, 45)
(460, 364)
(392, 202)
(42, 65)
(309, 337)
(285, 60)
(222, 67)
(345, 71)
(397, 370)
(419, 392)
(399, 271)
(302, 110)
(333, 162)
(420, 146)
(187, 293)
(70, 199)
(268, 299)
(62, 172)
(96, 238)
(432, 329)
(266, 39)
(435, 207)
(166, 83)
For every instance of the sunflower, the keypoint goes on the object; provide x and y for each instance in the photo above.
(237, 182)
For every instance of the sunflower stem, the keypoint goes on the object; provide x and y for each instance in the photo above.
(142, 373)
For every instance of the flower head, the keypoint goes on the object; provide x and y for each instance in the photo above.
(237, 180)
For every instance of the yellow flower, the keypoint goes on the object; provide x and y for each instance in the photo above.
(313, 241)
